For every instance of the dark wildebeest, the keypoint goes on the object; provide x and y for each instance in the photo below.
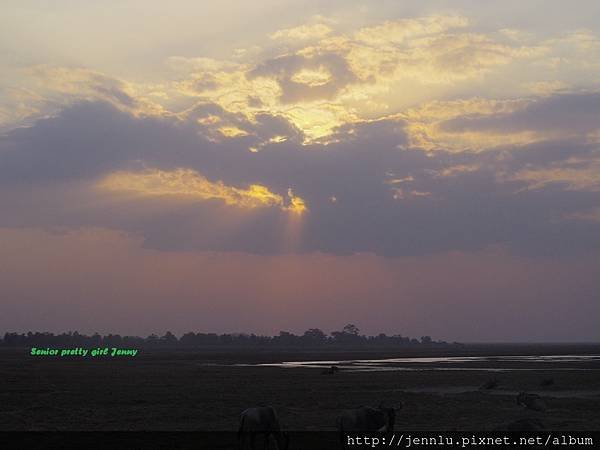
(330, 371)
(531, 401)
(365, 419)
(262, 421)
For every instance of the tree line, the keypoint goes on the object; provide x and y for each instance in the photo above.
(349, 336)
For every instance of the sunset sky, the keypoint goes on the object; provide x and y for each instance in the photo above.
(416, 167)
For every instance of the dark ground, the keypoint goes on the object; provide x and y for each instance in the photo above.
(180, 390)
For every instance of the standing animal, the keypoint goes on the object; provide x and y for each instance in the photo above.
(365, 419)
(531, 401)
(330, 371)
(261, 421)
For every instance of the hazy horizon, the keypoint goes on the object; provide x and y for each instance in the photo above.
(411, 167)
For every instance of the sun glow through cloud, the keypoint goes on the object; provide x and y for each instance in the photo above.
(187, 183)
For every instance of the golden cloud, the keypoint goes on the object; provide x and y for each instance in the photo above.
(394, 32)
(342, 77)
(302, 32)
(425, 130)
(382, 59)
(312, 77)
(187, 183)
(586, 178)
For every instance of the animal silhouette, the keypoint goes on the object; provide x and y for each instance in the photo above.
(365, 419)
(330, 370)
(261, 421)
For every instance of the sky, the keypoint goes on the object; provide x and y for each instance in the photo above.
(418, 167)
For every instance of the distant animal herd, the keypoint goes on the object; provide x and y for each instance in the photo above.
(261, 426)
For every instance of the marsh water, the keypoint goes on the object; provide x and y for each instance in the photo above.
(479, 363)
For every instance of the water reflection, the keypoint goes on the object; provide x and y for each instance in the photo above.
(486, 363)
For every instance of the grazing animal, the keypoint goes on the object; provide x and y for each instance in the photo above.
(366, 419)
(261, 421)
(330, 371)
(531, 401)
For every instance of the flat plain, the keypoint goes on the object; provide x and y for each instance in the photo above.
(205, 390)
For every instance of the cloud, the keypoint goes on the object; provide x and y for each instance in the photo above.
(426, 124)
(336, 77)
(547, 87)
(167, 180)
(399, 31)
(429, 51)
(396, 120)
(327, 78)
(302, 32)
(187, 183)
(575, 173)
(569, 112)
(45, 90)
(83, 141)
(479, 124)
(303, 78)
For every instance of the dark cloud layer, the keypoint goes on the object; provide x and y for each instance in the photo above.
(366, 192)
(579, 113)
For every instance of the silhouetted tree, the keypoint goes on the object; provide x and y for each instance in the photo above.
(348, 335)
(351, 329)
(313, 337)
(169, 339)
